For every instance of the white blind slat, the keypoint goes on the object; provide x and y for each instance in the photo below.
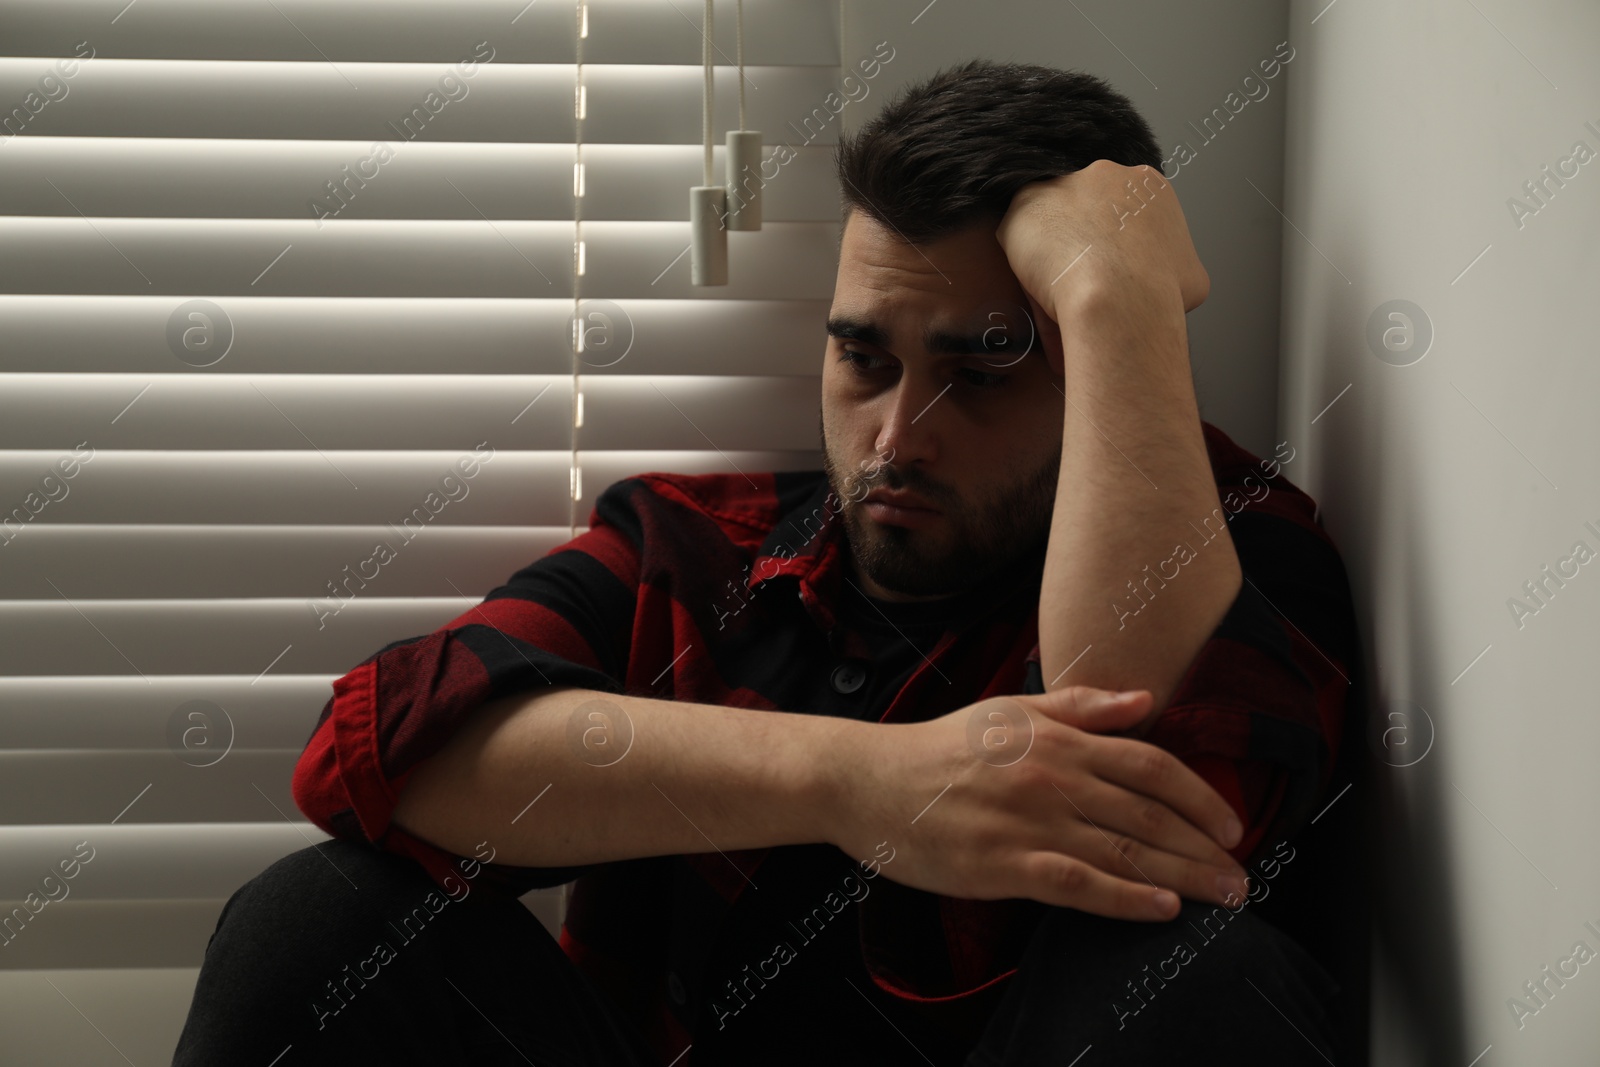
(148, 562)
(367, 355)
(193, 412)
(368, 257)
(162, 177)
(147, 861)
(777, 32)
(627, 104)
(373, 335)
(124, 712)
(364, 488)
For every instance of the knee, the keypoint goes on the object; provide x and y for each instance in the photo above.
(1202, 955)
(297, 941)
(319, 890)
(1238, 941)
(1202, 939)
(1158, 991)
(1202, 964)
(1220, 938)
(328, 864)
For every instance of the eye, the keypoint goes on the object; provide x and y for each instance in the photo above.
(859, 362)
(853, 358)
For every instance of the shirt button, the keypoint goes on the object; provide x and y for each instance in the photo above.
(675, 988)
(848, 676)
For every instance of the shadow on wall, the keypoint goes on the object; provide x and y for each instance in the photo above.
(1415, 900)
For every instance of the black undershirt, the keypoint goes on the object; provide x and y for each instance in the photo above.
(902, 634)
(808, 1009)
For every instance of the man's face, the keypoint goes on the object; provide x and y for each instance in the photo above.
(974, 433)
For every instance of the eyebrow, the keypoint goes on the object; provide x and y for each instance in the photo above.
(942, 341)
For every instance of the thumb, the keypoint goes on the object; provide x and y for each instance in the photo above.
(1093, 710)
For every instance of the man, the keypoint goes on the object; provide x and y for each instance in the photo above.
(907, 760)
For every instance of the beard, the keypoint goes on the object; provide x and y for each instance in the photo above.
(971, 541)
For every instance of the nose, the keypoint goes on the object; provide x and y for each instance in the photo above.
(909, 431)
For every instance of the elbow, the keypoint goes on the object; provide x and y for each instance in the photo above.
(417, 809)
(1229, 573)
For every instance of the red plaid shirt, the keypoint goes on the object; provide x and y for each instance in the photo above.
(735, 583)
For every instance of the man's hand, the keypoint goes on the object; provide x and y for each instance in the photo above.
(1068, 816)
(1105, 231)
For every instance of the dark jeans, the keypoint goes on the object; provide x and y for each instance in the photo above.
(293, 976)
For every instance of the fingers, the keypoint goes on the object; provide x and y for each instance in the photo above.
(1194, 284)
(1066, 882)
(1217, 880)
(1117, 813)
(1159, 775)
(1093, 710)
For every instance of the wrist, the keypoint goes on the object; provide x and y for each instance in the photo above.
(1104, 300)
(840, 765)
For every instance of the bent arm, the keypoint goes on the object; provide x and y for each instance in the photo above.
(693, 778)
(1136, 488)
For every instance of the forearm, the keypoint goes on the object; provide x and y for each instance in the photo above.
(1135, 488)
(696, 778)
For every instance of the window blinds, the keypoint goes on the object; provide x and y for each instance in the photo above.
(274, 276)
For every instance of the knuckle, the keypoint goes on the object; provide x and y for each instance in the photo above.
(1068, 877)
(1128, 848)
(1151, 764)
(1032, 777)
(1164, 766)
(1152, 816)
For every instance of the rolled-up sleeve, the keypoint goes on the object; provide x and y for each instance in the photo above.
(564, 620)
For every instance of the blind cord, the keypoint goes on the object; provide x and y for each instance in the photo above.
(705, 58)
(575, 470)
(740, 54)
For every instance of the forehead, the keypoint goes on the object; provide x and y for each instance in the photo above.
(944, 294)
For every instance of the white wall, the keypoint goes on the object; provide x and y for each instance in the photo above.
(1447, 482)
(1450, 481)
(1176, 62)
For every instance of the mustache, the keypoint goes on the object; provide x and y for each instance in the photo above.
(857, 484)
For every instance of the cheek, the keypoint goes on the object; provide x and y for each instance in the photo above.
(835, 383)
(831, 376)
(850, 412)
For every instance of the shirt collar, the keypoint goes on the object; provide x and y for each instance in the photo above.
(808, 543)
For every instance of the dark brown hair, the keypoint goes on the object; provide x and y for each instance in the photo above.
(952, 150)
